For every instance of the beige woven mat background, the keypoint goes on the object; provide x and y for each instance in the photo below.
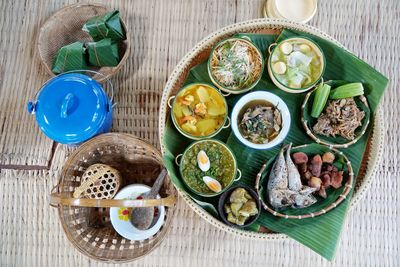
(162, 32)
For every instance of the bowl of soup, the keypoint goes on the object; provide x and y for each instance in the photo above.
(208, 167)
(296, 65)
(260, 120)
(199, 111)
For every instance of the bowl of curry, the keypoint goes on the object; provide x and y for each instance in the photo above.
(208, 167)
(199, 111)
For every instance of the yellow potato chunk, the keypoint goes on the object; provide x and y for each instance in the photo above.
(188, 127)
(215, 110)
(203, 94)
(206, 126)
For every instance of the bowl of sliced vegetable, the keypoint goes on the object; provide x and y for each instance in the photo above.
(239, 206)
(199, 111)
(295, 65)
(235, 65)
(336, 113)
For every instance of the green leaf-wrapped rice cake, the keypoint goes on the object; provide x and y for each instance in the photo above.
(103, 53)
(105, 26)
(70, 57)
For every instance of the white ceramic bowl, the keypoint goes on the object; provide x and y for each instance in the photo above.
(121, 222)
(273, 99)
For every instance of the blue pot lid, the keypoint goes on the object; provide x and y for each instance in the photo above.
(71, 108)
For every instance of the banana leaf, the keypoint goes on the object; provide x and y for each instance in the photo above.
(105, 26)
(103, 53)
(70, 57)
(321, 233)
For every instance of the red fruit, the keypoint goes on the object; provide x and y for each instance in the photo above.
(125, 212)
(316, 162)
(326, 180)
(302, 167)
(308, 175)
(299, 157)
(315, 182)
(337, 179)
(328, 157)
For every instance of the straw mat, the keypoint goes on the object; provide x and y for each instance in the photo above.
(162, 32)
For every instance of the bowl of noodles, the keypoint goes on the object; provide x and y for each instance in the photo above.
(235, 65)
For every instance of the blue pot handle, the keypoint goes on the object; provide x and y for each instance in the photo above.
(66, 105)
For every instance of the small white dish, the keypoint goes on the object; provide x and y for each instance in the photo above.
(301, 11)
(274, 100)
(120, 216)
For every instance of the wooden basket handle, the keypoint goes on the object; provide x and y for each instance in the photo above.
(56, 200)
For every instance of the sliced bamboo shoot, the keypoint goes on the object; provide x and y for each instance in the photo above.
(279, 67)
(286, 48)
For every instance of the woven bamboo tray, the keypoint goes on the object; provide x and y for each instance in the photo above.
(201, 52)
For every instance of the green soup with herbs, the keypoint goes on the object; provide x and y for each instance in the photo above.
(222, 166)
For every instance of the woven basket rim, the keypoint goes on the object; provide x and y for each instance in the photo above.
(71, 158)
(67, 9)
(376, 139)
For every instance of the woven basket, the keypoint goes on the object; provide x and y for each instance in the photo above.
(200, 54)
(65, 27)
(89, 228)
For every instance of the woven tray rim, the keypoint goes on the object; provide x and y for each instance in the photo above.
(376, 139)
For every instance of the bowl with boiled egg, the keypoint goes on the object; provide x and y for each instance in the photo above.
(296, 65)
(208, 167)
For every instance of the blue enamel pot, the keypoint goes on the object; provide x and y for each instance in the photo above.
(72, 108)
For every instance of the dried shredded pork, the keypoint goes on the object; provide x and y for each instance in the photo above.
(341, 117)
